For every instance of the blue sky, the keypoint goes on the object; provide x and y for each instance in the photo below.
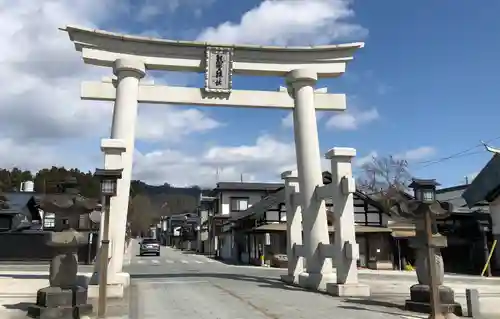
(430, 68)
(424, 87)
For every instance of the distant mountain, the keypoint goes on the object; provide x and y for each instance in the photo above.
(167, 200)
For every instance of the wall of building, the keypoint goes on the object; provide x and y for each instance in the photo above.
(226, 246)
(274, 216)
(225, 199)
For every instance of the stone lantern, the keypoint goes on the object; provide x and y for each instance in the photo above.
(64, 298)
(429, 295)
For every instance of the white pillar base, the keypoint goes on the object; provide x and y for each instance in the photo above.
(348, 290)
(316, 281)
(115, 289)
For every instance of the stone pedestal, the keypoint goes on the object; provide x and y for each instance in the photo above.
(63, 299)
(60, 303)
(316, 281)
(348, 290)
(420, 298)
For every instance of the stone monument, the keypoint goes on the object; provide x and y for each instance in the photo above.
(64, 299)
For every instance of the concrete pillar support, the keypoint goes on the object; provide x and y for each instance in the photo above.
(345, 247)
(315, 228)
(128, 73)
(293, 227)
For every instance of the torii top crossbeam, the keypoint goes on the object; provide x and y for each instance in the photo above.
(104, 48)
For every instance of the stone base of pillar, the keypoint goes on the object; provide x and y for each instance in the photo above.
(290, 279)
(348, 290)
(317, 282)
(420, 297)
(115, 289)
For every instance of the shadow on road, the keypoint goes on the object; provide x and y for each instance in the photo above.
(262, 281)
(18, 306)
(374, 302)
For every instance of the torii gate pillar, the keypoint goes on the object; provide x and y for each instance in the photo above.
(130, 56)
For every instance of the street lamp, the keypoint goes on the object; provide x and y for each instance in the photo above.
(108, 185)
(424, 190)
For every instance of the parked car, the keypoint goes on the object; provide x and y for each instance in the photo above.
(149, 246)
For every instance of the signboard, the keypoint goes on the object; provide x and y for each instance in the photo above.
(219, 70)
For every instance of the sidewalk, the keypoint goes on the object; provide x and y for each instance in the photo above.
(18, 290)
(385, 290)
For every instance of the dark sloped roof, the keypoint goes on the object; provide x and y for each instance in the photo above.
(16, 202)
(486, 185)
(278, 197)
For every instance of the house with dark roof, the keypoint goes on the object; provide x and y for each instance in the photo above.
(260, 231)
(484, 191)
(468, 232)
(18, 210)
(228, 199)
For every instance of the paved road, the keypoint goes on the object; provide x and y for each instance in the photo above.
(184, 285)
(187, 285)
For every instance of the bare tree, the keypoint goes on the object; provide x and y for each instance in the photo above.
(385, 179)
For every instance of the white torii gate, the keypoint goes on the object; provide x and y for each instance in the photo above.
(131, 56)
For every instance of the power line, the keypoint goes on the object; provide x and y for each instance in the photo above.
(444, 159)
(463, 153)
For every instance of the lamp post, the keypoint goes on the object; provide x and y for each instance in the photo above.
(425, 193)
(108, 185)
(430, 295)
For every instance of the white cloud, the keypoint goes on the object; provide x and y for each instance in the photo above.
(44, 123)
(352, 119)
(278, 22)
(34, 155)
(360, 161)
(146, 10)
(170, 123)
(263, 161)
(417, 154)
(40, 76)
